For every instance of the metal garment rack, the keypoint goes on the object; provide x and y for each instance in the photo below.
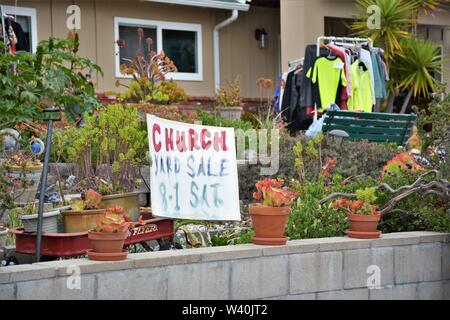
(343, 40)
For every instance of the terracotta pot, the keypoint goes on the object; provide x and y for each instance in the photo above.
(103, 242)
(99, 256)
(79, 221)
(269, 224)
(363, 226)
(128, 201)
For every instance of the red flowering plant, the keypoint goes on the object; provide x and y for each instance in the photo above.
(363, 205)
(271, 193)
(114, 220)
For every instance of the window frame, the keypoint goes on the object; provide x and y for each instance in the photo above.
(26, 12)
(160, 25)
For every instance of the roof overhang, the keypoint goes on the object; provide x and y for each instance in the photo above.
(240, 5)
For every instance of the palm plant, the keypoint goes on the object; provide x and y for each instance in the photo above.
(414, 69)
(395, 16)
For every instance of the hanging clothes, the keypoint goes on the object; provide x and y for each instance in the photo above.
(362, 97)
(329, 74)
(366, 58)
(344, 54)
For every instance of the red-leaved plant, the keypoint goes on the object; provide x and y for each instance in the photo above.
(355, 207)
(113, 220)
(271, 193)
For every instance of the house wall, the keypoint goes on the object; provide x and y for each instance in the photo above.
(239, 50)
(302, 21)
(398, 266)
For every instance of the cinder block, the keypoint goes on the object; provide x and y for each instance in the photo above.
(291, 247)
(115, 285)
(361, 264)
(396, 239)
(341, 243)
(446, 261)
(307, 296)
(418, 263)
(165, 258)
(68, 288)
(37, 290)
(259, 278)
(25, 272)
(199, 281)
(64, 268)
(352, 294)
(7, 292)
(446, 289)
(229, 252)
(430, 291)
(313, 272)
(429, 236)
(398, 292)
(150, 284)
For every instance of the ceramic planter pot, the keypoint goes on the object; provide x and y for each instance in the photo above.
(49, 222)
(107, 246)
(231, 113)
(129, 201)
(3, 235)
(81, 221)
(269, 224)
(363, 226)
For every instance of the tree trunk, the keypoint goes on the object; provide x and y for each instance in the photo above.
(407, 100)
(390, 103)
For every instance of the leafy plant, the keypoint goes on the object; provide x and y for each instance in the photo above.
(230, 96)
(54, 72)
(143, 91)
(413, 70)
(437, 116)
(110, 145)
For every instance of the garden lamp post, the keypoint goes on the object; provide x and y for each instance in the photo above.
(50, 114)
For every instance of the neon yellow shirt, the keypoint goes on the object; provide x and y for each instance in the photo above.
(329, 73)
(362, 97)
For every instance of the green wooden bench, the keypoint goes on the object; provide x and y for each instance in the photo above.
(379, 127)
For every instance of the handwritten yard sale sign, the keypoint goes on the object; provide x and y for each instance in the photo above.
(193, 171)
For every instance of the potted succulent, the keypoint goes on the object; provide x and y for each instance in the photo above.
(109, 235)
(270, 215)
(229, 102)
(362, 214)
(83, 213)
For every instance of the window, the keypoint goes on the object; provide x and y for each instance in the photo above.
(338, 27)
(182, 42)
(26, 17)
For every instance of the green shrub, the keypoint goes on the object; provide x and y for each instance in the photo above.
(353, 158)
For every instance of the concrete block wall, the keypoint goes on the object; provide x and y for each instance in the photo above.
(412, 265)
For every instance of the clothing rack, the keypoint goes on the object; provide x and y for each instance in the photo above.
(345, 40)
(295, 63)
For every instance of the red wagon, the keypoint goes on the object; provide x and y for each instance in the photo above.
(76, 244)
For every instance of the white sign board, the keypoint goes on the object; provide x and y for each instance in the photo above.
(193, 171)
